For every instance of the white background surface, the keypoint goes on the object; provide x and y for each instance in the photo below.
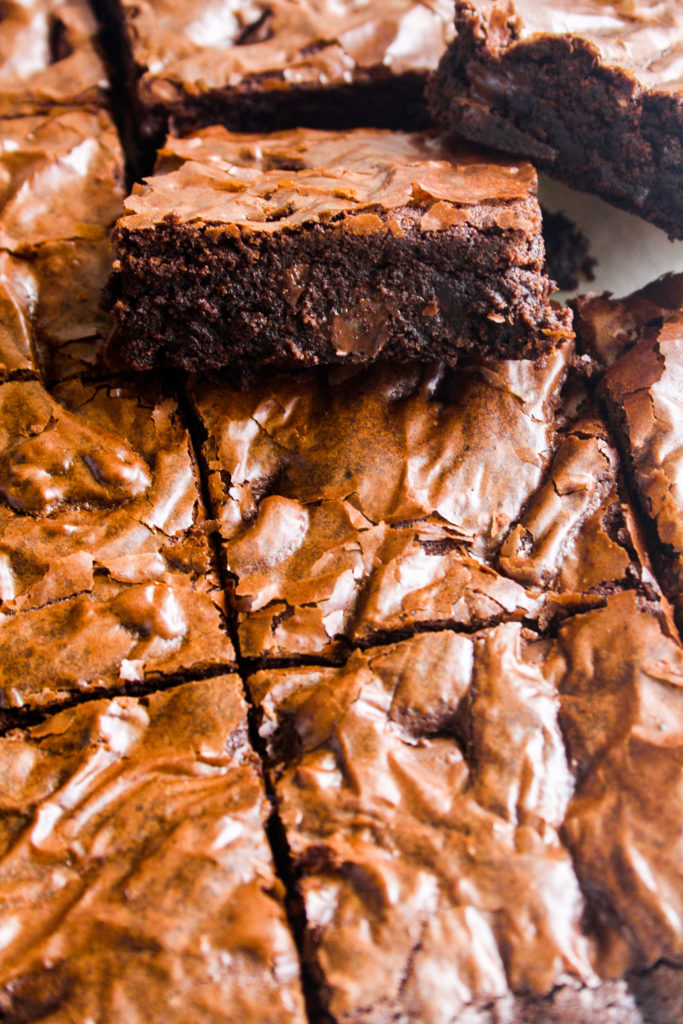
(630, 252)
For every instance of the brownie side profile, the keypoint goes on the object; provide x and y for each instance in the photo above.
(476, 822)
(640, 338)
(49, 57)
(310, 247)
(266, 66)
(107, 569)
(594, 96)
(358, 506)
(136, 881)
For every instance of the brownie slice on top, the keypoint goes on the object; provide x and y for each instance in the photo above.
(260, 66)
(136, 882)
(308, 247)
(356, 506)
(640, 339)
(591, 92)
(486, 827)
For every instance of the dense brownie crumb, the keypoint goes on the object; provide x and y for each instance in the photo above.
(567, 255)
(595, 96)
(319, 247)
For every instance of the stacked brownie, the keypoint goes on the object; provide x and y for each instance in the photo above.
(340, 656)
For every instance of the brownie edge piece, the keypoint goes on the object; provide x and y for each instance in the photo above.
(304, 247)
(594, 97)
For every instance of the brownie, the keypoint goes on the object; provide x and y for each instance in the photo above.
(107, 577)
(359, 505)
(48, 57)
(62, 174)
(17, 292)
(480, 819)
(136, 878)
(567, 251)
(310, 247)
(640, 338)
(594, 96)
(264, 66)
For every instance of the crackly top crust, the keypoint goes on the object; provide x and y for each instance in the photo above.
(18, 295)
(452, 802)
(300, 176)
(106, 573)
(61, 189)
(135, 876)
(200, 46)
(365, 505)
(359, 178)
(640, 338)
(644, 39)
(48, 57)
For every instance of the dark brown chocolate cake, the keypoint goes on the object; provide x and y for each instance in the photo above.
(591, 91)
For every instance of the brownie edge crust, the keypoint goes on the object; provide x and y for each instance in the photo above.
(306, 248)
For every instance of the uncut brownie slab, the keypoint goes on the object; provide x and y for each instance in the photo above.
(263, 66)
(48, 57)
(359, 505)
(62, 173)
(308, 247)
(592, 93)
(136, 882)
(486, 828)
(106, 575)
(640, 339)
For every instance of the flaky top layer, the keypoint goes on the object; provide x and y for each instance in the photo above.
(644, 39)
(295, 42)
(301, 176)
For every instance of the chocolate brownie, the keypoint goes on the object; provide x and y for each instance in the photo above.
(263, 66)
(593, 95)
(17, 293)
(312, 247)
(106, 575)
(62, 174)
(359, 505)
(480, 820)
(136, 882)
(48, 57)
(641, 336)
(567, 251)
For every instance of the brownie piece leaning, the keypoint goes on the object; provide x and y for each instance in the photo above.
(594, 96)
(641, 340)
(136, 882)
(48, 57)
(489, 822)
(263, 66)
(359, 507)
(308, 247)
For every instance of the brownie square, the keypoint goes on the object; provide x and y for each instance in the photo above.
(640, 339)
(359, 506)
(264, 66)
(310, 247)
(136, 882)
(48, 57)
(62, 173)
(479, 818)
(107, 575)
(594, 96)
